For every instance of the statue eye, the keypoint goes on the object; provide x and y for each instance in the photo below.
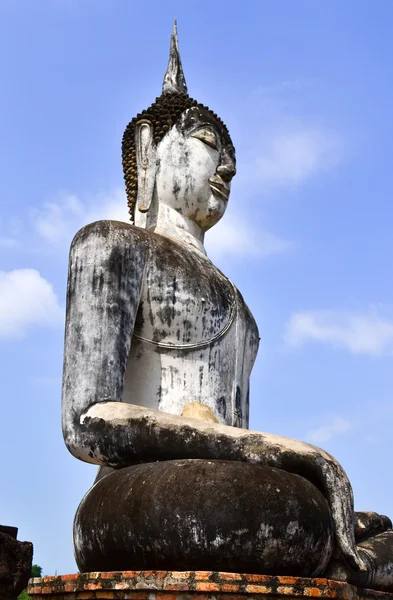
(207, 136)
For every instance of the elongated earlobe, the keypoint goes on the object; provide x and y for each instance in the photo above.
(146, 163)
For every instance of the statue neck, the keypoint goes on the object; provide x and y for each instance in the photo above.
(168, 222)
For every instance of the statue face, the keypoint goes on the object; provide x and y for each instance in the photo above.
(196, 163)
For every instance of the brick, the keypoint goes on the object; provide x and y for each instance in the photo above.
(202, 575)
(206, 586)
(70, 577)
(313, 591)
(160, 574)
(124, 585)
(93, 585)
(257, 578)
(286, 590)
(285, 579)
(257, 589)
(226, 587)
(230, 576)
(180, 574)
(165, 596)
(176, 587)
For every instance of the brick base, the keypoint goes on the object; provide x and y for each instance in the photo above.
(192, 585)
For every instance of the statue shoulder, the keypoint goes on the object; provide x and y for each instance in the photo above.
(117, 231)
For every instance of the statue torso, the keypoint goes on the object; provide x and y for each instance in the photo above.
(195, 339)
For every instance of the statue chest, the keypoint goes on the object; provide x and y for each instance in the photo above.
(185, 302)
(195, 340)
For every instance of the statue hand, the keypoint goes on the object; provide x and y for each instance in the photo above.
(321, 469)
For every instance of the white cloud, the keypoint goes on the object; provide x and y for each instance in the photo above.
(291, 157)
(289, 148)
(58, 221)
(55, 219)
(367, 333)
(323, 434)
(26, 299)
(233, 236)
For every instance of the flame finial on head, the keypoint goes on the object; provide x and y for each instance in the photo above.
(174, 80)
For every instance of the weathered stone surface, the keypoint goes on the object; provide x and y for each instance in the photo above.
(15, 563)
(153, 327)
(192, 514)
(192, 585)
(127, 285)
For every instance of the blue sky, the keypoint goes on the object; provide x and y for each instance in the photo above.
(306, 89)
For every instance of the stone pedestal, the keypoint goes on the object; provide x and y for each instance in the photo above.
(192, 585)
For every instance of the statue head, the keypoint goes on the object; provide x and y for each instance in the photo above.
(178, 153)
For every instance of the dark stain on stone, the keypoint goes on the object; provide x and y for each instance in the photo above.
(200, 376)
(176, 187)
(238, 408)
(222, 407)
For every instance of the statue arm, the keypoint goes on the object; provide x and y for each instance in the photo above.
(106, 271)
(126, 434)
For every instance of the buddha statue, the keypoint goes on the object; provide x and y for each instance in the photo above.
(159, 347)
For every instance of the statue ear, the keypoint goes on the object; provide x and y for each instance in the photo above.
(146, 163)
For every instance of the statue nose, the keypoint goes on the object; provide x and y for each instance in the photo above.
(226, 170)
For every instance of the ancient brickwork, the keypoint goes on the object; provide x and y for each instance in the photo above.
(192, 585)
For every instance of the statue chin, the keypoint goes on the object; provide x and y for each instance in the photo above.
(204, 515)
(216, 210)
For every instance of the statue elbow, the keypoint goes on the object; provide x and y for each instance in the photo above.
(79, 447)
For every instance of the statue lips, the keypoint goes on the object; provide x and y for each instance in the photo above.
(219, 187)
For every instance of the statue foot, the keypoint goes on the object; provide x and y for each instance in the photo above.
(377, 553)
(369, 524)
